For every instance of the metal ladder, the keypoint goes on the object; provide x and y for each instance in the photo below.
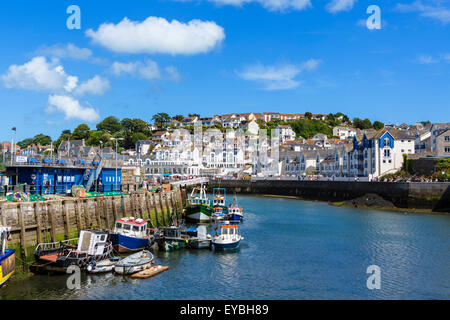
(94, 176)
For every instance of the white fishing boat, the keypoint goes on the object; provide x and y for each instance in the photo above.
(134, 263)
(227, 238)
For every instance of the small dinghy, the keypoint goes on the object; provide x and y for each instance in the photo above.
(134, 263)
(148, 273)
(103, 266)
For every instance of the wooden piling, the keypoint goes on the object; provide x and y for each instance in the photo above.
(65, 213)
(86, 214)
(162, 210)
(105, 214)
(51, 218)
(23, 246)
(37, 216)
(77, 207)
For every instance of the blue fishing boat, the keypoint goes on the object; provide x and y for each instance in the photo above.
(235, 213)
(131, 234)
(7, 256)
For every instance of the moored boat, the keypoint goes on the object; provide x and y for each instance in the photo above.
(7, 256)
(235, 214)
(218, 215)
(151, 272)
(103, 266)
(198, 208)
(131, 234)
(219, 200)
(134, 263)
(58, 256)
(172, 238)
(200, 240)
(227, 238)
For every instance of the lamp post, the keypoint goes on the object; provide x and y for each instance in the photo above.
(116, 139)
(13, 148)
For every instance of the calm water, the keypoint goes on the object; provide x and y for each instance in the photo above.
(292, 250)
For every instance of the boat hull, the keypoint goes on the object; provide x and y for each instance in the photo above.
(199, 244)
(148, 273)
(198, 213)
(134, 263)
(235, 217)
(122, 243)
(7, 265)
(170, 245)
(223, 246)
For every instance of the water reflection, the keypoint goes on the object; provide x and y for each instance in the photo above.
(292, 250)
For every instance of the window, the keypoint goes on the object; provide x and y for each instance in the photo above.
(447, 138)
(136, 228)
(447, 149)
(387, 153)
(118, 225)
(127, 227)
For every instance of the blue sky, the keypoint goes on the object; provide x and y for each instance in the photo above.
(236, 56)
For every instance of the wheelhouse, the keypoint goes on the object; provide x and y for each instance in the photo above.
(131, 227)
(229, 230)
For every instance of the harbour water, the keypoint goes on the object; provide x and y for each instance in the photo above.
(292, 250)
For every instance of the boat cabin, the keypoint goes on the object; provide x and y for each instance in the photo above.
(219, 197)
(235, 210)
(219, 201)
(198, 200)
(92, 242)
(172, 232)
(4, 232)
(131, 227)
(229, 230)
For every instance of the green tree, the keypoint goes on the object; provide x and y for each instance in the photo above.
(308, 128)
(97, 138)
(81, 132)
(110, 124)
(377, 125)
(161, 118)
(137, 137)
(42, 139)
(308, 115)
(362, 124)
(178, 117)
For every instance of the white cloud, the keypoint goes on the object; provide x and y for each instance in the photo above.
(336, 6)
(271, 5)
(96, 86)
(436, 12)
(172, 73)
(146, 70)
(157, 35)
(280, 77)
(39, 75)
(426, 59)
(71, 108)
(70, 51)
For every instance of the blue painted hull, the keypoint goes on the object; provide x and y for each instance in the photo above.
(124, 243)
(228, 246)
(234, 217)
